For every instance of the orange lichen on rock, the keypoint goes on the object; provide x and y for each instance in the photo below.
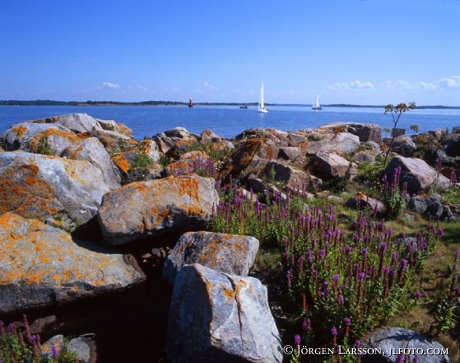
(121, 162)
(20, 130)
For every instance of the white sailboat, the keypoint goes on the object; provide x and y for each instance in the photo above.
(316, 105)
(261, 108)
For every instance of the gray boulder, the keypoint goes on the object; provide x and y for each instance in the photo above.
(143, 209)
(389, 340)
(404, 145)
(217, 317)
(232, 254)
(341, 143)
(291, 177)
(420, 177)
(327, 165)
(44, 265)
(294, 155)
(35, 179)
(452, 145)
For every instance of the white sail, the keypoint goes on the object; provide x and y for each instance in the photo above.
(261, 107)
(316, 105)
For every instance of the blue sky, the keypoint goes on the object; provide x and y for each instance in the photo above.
(347, 51)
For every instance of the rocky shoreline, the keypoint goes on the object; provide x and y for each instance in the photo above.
(89, 215)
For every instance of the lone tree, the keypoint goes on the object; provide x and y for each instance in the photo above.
(396, 112)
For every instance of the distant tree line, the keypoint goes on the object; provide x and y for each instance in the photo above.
(87, 103)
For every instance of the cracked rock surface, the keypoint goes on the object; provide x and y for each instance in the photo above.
(217, 317)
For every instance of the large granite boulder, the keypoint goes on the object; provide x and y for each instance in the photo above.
(390, 340)
(43, 265)
(365, 132)
(291, 177)
(327, 165)
(250, 158)
(92, 150)
(217, 317)
(29, 136)
(293, 155)
(55, 139)
(341, 143)
(404, 145)
(418, 175)
(143, 209)
(30, 182)
(232, 254)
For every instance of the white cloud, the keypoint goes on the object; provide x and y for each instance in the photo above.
(209, 86)
(111, 85)
(406, 85)
(451, 82)
(351, 86)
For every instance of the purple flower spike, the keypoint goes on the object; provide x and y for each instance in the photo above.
(361, 276)
(334, 331)
(347, 321)
(336, 277)
(297, 340)
(54, 351)
(403, 263)
(341, 299)
(357, 343)
(364, 251)
(383, 246)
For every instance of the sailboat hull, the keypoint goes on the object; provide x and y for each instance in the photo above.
(262, 110)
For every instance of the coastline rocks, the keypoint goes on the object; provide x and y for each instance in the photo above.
(365, 132)
(143, 209)
(37, 181)
(418, 175)
(42, 265)
(232, 254)
(217, 317)
(390, 339)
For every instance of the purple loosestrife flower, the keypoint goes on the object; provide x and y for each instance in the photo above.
(306, 324)
(336, 277)
(297, 340)
(341, 299)
(361, 276)
(417, 295)
(400, 358)
(54, 351)
(288, 277)
(347, 321)
(357, 343)
(334, 336)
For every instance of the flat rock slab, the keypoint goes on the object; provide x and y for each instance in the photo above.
(217, 317)
(143, 209)
(41, 265)
(229, 253)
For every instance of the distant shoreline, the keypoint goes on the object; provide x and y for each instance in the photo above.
(173, 103)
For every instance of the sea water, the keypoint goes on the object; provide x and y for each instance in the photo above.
(229, 121)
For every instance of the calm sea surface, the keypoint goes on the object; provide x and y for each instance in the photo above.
(229, 121)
